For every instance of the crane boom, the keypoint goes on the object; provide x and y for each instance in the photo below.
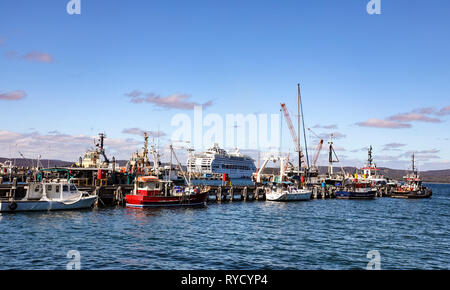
(318, 148)
(291, 127)
(316, 155)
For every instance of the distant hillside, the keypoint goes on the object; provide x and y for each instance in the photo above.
(20, 162)
(439, 176)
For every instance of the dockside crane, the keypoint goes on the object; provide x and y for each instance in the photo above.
(293, 133)
(318, 149)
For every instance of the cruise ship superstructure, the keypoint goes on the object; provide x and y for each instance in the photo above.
(217, 160)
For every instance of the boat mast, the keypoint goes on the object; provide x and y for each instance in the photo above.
(101, 149)
(170, 162)
(330, 156)
(304, 131)
(281, 132)
(298, 130)
(188, 182)
(145, 149)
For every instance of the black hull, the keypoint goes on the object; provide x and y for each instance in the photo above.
(412, 194)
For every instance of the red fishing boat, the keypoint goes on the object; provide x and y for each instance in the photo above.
(150, 191)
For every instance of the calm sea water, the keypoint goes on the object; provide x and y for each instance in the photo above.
(320, 234)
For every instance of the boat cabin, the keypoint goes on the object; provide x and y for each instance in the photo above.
(148, 186)
(51, 191)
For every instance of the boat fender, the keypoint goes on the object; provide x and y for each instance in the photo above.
(12, 205)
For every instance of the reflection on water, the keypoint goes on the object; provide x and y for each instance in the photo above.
(318, 234)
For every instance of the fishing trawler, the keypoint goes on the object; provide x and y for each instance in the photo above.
(370, 172)
(413, 187)
(92, 157)
(49, 196)
(150, 191)
(354, 189)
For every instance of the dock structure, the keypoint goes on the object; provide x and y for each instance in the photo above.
(223, 193)
(112, 189)
(109, 194)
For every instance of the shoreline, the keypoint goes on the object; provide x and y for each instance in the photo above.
(436, 182)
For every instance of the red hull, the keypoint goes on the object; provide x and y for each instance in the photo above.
(158, 200)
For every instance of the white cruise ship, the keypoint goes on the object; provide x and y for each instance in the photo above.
(217, 160)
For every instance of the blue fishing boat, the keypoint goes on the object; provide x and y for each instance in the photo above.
(356, 190)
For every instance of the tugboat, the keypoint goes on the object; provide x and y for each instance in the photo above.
(356, 190)
(413, 187)
(49, 196)
(150, 191)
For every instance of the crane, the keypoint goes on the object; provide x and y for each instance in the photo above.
(292, 130)
(318, 148)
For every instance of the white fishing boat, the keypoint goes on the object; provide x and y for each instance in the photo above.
(48, 197)
(285, 191)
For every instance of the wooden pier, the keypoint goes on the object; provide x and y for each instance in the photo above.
(234, 193)
(114, 194)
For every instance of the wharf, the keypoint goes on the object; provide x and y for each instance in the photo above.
(114, 194)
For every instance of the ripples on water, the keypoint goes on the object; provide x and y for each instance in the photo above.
(319, 234)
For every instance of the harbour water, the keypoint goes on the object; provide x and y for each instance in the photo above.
(318, 234)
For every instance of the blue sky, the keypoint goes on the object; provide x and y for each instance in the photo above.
(67, 75)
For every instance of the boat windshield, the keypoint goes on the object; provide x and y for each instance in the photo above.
(149, 185)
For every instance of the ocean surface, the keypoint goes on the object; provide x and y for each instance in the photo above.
(318, 234)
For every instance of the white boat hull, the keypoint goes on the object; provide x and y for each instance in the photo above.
(46, 205)
(301, 195)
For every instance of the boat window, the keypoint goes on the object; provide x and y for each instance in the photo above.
(73, 188)
(57, 189)
(49, 188)
(65, 188)
(37, 188)
(156, 185)
(141, 185)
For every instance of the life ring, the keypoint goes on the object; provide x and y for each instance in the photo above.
(12, 205)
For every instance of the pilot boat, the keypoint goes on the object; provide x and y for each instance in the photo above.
(49, 196)
(150, 191)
